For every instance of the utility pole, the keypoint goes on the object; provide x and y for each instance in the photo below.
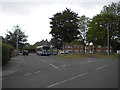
(108, 39)
(17, 38)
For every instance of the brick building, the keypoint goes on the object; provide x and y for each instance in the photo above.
(88, 49)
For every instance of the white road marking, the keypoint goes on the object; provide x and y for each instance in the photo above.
(27, 74)
(53, 65)
(64, 65)
(101, 67)
(37, 72)
(66, 80)
(43, 60)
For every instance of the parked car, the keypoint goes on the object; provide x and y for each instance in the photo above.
(25, 52)
(21, 51)
(118, 51)
(62, 52)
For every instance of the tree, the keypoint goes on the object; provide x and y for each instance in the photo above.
(56, 43)
(64, 26)
(16, 36)
(97, 33)
(83, 26)
(113, 8)
(100, 23)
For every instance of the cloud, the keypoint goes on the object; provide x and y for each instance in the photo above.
(33, 15)
(15, 8)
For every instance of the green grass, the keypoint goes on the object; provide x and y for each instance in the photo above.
(78, 55)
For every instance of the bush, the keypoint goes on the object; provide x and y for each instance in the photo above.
(6, 53)
(30, 48)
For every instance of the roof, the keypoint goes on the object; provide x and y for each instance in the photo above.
(43, 42)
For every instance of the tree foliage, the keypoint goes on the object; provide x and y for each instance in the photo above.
(113, 8)
(64, 26)
(56, 43)
(11, 37)
(83, 26)
(6, 51)
(76, 42)
(106, 19)
(30, 48)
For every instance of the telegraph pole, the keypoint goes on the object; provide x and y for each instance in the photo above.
(17, 38)
(108, 39)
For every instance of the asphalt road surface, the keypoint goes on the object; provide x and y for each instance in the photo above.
(53, 72)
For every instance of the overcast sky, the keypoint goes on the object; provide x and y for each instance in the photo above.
(33, 15)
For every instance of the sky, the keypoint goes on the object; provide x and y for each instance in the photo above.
(33, 15)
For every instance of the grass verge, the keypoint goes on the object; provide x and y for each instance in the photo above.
(78, 55)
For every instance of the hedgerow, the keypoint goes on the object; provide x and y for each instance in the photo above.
(6, 53)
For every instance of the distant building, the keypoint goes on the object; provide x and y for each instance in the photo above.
(88, 49)
(78, 48)
(43, 42)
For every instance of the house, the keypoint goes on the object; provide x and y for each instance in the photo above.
(88, 49)
(78, 48)
(43, 42)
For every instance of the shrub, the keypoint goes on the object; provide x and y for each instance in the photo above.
(30, 48)
(6, 53)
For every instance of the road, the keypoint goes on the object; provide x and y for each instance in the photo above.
(54, 72)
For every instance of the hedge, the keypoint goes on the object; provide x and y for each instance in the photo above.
(30, 48)
(6, 53)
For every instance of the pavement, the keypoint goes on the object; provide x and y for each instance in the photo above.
(13, 66)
